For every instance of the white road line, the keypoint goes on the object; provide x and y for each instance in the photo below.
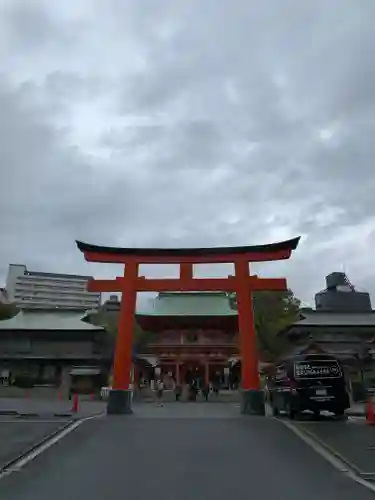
(336, 462)
(42, 448)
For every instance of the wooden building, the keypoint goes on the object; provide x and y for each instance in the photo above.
(50, 347)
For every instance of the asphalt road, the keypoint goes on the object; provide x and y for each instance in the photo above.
(17, 436)
(352, 440)
(211, 453)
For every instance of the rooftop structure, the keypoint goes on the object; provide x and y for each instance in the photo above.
(341, 296)
(38, 320)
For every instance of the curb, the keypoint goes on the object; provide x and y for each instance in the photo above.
(355, 413)
(356, 470)
(8, 465)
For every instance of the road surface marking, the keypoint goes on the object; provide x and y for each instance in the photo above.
(19, 464)
(334, 460)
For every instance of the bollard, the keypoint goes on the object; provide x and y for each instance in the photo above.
(59, 395)
(75, 406)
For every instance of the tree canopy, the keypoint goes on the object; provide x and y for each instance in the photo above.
(7, 311)
(109, 322)
(273, 311)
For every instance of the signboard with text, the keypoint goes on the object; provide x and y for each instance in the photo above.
(317, 369)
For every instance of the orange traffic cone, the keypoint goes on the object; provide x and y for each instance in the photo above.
(370, 415)
(92, 396)
(75, 403)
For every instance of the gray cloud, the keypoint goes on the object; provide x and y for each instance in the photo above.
(189, 124)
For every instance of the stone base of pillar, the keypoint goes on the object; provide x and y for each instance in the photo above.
(253, 402)
(119, 402)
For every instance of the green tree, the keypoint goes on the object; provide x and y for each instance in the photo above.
(273, 311)
(7, 311)
(109, 322)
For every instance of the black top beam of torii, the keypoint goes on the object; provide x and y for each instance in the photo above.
(287, 245)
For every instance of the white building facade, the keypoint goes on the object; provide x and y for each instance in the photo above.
(33, 289)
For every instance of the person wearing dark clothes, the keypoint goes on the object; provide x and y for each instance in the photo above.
(177, 392)
(192, 392)
(216, 388)
(205, 392)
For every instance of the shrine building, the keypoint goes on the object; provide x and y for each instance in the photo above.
(193, 335)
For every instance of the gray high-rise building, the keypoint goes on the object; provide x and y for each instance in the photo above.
(43, 290)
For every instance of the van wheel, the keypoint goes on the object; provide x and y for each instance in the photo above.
(316, 414)
(290, 412)
(275, 411)
(340, 414)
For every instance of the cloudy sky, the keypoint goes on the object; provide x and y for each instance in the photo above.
(189, 123)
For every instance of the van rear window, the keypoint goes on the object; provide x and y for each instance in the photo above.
(317, 369)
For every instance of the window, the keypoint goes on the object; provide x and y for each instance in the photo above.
(191, 338)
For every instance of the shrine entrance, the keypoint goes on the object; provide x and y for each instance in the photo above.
(243, 284)
(193, 372)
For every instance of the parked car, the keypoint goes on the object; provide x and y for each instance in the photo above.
(312, 382)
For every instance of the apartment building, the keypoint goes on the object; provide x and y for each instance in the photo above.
(34, 289)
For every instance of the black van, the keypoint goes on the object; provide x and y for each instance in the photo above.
(312, 382)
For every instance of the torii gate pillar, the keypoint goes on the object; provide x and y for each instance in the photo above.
(243, 284)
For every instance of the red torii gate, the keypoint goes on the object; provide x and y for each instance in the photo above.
(242, 283)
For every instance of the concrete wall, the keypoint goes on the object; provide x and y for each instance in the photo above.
(47, 348)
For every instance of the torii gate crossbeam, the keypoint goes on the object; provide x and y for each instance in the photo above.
(242, 283)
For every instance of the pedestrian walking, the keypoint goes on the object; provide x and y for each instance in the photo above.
(159, 392)
(205, 391)
(216, 388)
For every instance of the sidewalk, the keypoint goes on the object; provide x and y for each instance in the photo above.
(46, 409)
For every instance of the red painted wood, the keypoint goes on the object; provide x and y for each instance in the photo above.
(190, 285)
(178, 285)
(241, 283)
(124, 342)
(186, 271)
(94, 285)
(248, 340)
